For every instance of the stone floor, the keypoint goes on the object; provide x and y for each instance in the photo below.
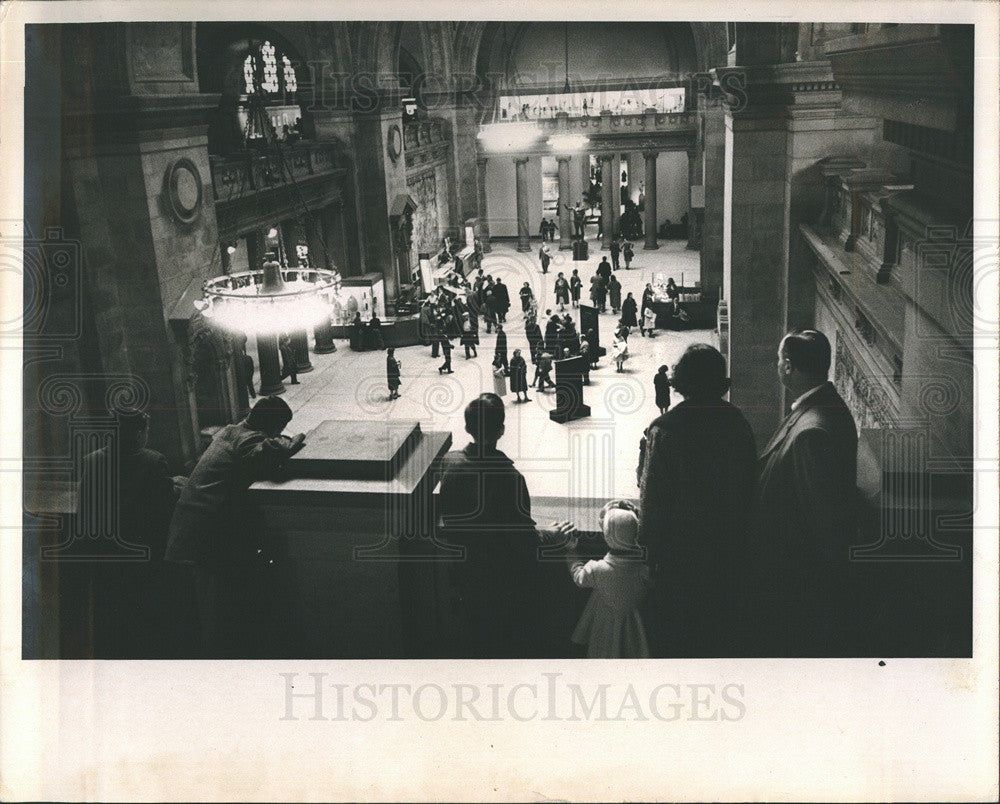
(588, 458)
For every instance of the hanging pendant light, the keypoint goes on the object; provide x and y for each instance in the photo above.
(566, 141)
(507, 134)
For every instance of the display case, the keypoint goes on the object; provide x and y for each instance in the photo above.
(359, 294)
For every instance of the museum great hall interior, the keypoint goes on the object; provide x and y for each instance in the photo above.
(786, 175)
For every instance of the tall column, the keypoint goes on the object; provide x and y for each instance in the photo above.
(711, 218)
(754, 265)
(269, 365)
(616, 205)
(483, 216)
(323, 331)
(608, 182)
(255, 250)
(331, 221)
(650, 221)
(299, 338)
(565, 216)
(694, 180)
(633, 178)
(523, 225)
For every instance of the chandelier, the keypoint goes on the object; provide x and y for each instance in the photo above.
(507, 135)
(566, 141)
(270, 300)
(513, 136)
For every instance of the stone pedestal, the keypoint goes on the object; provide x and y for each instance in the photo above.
(269, 365)
(300, 345)
(569, 391)
(357, 569)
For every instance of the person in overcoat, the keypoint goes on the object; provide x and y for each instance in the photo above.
(615, 294)
(697, 490)
(519, 376)
(803, 578)
(575, 286)
(629, 309)
(392, 373)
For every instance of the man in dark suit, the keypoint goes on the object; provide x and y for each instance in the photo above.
(616, 250)
(697, 489)
(805, 506)
(502, 296)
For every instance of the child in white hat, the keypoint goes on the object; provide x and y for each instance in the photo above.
(611, 626)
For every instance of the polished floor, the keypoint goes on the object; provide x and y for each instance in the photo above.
(589, 458)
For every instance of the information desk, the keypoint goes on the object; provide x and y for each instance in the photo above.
(396, 331)
(700, 310)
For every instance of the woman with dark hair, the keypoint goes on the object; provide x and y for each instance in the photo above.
(697, 490)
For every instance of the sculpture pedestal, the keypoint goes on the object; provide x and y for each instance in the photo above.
(569, 391)
(351, 534)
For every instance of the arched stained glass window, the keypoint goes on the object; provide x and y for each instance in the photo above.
(262, 65)
(290, 83)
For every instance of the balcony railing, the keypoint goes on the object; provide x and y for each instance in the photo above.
(248, 172)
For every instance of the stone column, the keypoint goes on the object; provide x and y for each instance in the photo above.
(694, 180)
(331, 220)
(754, 264)
(608, 182)
(650, 214)
(565, 216)
(616, 205)
(523, 225)
(323, 331)
(255, 250)
(711, 219)
(483, 216)
(299, 338)
(269, 365)
(633, 178)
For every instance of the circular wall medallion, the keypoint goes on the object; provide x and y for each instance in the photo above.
(184, 190)
(394, 142)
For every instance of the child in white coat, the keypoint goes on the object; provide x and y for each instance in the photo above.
(611, 626)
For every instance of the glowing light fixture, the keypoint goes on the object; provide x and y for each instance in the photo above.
(513, 136)
(270, 300)
(566, 141)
